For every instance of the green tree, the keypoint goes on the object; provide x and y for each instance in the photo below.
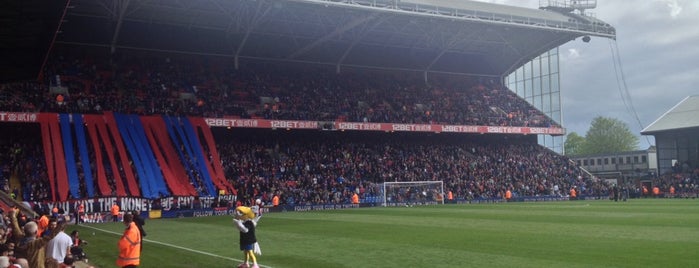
(609, 135)
(574, 144)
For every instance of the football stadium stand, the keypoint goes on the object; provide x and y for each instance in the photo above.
(213, 103)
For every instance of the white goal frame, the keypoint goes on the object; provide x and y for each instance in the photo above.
(420, 196)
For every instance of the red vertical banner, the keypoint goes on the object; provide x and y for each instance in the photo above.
(44, 120)
(109, 149)
(215, 167)
(103, 185)
(165, 142)
(59, 159)
(170, 178)
(133, 186)
(173, 170)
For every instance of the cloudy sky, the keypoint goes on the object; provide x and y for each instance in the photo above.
(658, 45)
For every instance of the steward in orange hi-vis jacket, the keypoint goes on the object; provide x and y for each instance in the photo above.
(129, 244)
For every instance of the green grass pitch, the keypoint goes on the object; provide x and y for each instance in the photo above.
(637, 233)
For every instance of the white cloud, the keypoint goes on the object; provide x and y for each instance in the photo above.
(573, 53)
(674, 7)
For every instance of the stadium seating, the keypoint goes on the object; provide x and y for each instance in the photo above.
(299, 168)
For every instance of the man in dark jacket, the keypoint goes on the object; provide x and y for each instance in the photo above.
(140, 221)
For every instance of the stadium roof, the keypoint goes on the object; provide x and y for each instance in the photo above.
(464, 37)
(682, 116)
(26, 29)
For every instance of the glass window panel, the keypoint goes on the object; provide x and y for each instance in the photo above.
(519, 73)
(546, 108)
(527, 88)
(537, 101)
(554, 84)
(527, 70)
(520, 87)
(554, 64)
(545, 84)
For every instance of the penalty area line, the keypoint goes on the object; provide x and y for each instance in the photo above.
(175, 246)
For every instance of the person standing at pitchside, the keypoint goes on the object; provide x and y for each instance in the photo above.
(115, 212)
(140, 221)
(129, 245)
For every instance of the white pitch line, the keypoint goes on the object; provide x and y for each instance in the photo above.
(176, 246)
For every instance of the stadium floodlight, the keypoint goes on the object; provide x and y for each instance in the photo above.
(412, 193)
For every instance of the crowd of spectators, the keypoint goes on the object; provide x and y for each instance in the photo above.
(317, 167)
(682, 182)
(213, 88)
(23, 157)
(307, 167)
(329, 168)
(28, 242)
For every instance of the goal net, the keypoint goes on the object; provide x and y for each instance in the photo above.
(412, 193)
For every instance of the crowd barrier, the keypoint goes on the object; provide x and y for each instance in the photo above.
(97, 209)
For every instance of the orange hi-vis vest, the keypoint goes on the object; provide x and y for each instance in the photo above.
(129, 247)
(355, 199)
(115, 210)
(43, 224)
(275, 200)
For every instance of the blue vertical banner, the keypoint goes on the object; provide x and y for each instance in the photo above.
(71, 168)
(149, 173)
(198, 152)
(175, 135)
(78, 124)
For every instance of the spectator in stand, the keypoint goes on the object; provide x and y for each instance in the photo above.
(8, 249)
(76, 249)
(4, 262)
(53, 223)
(29, 246)
(22, 263)
(58, 247)
(67, 262)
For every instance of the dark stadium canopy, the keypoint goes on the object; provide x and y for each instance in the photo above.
(26, 30)
(463, 37)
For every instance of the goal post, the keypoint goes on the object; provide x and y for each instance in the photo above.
(408, 193)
